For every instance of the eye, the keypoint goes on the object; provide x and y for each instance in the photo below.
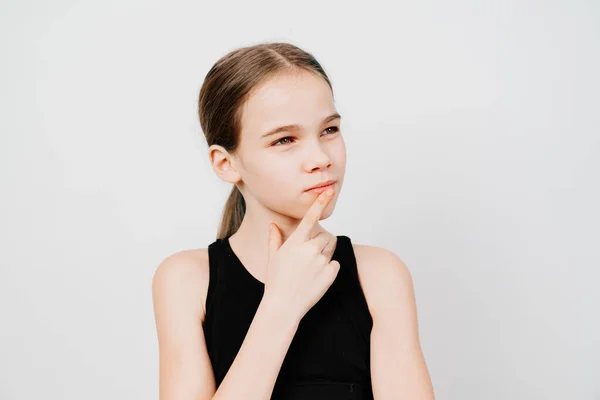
(335, 130)
(279, 141)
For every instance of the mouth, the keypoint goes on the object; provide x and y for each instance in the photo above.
(321, 188)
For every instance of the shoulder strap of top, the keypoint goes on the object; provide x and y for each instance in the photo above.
(353, 296)
(213, 260)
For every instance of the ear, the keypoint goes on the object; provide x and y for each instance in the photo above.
(223, 164)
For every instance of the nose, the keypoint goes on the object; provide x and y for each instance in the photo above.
(317, 158)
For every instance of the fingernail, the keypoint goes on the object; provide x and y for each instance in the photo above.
(329, 192)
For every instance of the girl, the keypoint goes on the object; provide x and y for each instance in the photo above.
(277, 307)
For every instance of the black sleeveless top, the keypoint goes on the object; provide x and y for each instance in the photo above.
(329, 356)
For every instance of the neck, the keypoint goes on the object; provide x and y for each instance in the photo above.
(250, 241)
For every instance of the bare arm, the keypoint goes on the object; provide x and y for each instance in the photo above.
(185, 370)
(398, 365)
(398, 361)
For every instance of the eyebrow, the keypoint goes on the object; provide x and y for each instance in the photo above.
(295, 127)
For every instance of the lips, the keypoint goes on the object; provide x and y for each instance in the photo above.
(321, 185)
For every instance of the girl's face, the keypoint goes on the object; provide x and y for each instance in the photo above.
(277, 166)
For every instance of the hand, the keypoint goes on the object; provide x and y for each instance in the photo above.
(300, 271)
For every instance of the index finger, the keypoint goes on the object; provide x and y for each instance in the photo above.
(313, 215)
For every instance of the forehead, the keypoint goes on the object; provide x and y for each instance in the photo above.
(292, 98)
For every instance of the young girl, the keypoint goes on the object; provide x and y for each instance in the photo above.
(277, 307)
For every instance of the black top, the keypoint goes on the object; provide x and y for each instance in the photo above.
(329, 355)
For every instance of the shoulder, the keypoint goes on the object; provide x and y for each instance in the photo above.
(385, 279)
(182, 278)
(378, 263)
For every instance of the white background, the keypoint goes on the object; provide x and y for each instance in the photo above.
(473, 138)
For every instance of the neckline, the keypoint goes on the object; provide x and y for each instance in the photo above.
(239, 262)
(228, 247)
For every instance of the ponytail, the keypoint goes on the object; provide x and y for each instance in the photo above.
(233, 214)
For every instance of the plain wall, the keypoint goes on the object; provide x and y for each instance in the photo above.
(473, 138)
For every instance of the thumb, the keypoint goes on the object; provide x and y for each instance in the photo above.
(274, 240)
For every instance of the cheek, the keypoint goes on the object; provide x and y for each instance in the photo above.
(273, 182)
(341, 153)
(338, 159)
(275, 173)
